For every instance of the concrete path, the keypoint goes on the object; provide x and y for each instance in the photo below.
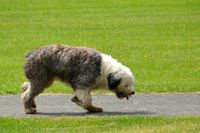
(140, 104)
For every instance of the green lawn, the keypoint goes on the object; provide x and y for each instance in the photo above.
(92, 124)
(158, 39)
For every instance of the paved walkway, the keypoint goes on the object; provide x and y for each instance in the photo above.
(140, 104)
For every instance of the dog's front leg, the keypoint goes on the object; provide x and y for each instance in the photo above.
(83, 98)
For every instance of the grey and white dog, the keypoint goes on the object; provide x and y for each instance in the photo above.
(84, 69)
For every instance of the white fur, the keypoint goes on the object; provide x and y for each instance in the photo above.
(26, 95)
(111, 65)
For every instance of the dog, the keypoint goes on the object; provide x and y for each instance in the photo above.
(84, 69)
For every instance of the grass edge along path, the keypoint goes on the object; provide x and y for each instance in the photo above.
(95, 124)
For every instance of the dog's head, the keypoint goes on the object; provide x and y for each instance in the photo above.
(121, 84)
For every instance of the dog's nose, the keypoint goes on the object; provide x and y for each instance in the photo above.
(133, 92)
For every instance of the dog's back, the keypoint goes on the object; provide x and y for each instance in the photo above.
(77, 65)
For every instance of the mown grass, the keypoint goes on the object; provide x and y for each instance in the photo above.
(117, 124)
(158, 39)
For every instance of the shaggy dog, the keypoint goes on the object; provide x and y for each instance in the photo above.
(84, 69)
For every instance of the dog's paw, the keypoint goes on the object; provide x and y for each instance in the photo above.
(94, 109)
(30, 111)
(76, 100)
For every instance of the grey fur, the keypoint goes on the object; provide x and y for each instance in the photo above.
(78, 66)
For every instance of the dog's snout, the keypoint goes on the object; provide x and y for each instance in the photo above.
(133, 92)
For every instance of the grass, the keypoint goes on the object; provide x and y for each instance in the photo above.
(117, 124)
(158, 39)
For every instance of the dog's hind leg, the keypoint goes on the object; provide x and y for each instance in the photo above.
(28, 101)
(35, 87)
(83, 98)
(25, 86)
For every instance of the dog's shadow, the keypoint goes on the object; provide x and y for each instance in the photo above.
(96, 114)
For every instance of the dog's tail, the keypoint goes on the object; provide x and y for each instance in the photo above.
(25, 86)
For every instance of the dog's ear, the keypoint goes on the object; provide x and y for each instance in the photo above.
(113, 81)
